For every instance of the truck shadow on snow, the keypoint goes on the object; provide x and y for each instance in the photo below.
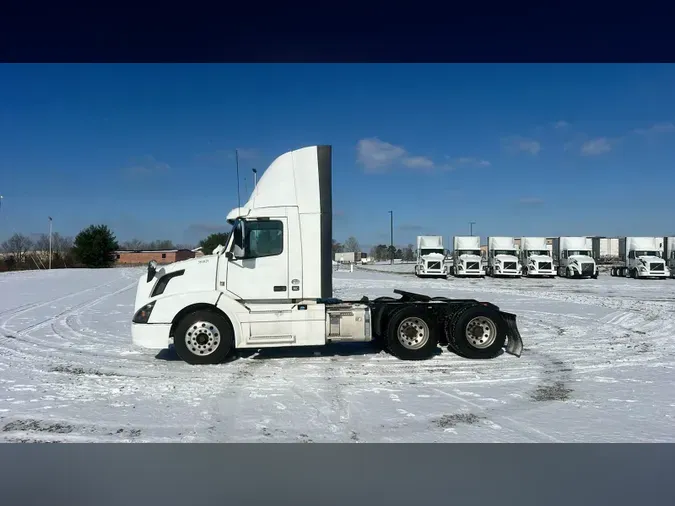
(328, 350)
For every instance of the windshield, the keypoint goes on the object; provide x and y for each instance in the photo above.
(429, 251)
(543, 252)
(504, 252)
(648, 253)
(579, 252)
(469, 252)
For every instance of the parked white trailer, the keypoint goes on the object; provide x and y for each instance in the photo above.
(347, 257)
(536, 258)
(641, 257)
(574, 257)
(271, 286)
(467, 259)
(502, 260)
(669, 254)
(430, 257)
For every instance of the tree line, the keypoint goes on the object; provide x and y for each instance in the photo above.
(378, 253)
(95, 246)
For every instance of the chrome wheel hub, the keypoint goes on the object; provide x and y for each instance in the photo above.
(413, 333)
(481, 332)
(202, 338)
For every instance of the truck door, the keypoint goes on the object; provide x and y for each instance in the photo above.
(263, 274)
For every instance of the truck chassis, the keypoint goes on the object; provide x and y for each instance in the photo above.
(409, 328)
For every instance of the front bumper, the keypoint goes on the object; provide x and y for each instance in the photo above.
(431, 272)
(541, 272)
(154, 336)
(653, 274)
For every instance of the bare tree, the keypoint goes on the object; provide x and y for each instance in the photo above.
(17, 245)
(134, 244)
(352, 245)
(162, 244)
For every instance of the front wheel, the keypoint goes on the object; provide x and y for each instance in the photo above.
(477, 332)
(203, 337)
(412, 334)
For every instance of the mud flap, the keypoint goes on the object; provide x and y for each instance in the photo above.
(514, 345)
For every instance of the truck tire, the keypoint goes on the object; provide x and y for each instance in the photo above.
(412, 334)
(203, 337)
(477, 332)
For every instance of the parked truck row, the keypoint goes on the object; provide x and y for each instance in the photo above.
(568, 257)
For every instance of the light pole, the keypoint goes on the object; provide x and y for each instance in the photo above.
(391, 236)
(50, 242)
(471, 224)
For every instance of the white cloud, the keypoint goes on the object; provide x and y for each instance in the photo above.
(560, 124)
(475, 162)
(146, 165)
(376, 155)
(379, 156)
(418, 162)
(596, 147)
(518, 144)
(657, 128)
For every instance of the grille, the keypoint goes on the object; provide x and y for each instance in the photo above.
(433, 265)
(509, 266)
(656, 267)
(586, 269)
(472, 266)
(545, 265)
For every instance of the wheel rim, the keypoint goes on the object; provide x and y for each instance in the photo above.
(202, 338)
(481, 332)
(413, 333)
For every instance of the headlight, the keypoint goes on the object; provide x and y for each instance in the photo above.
(143, 314)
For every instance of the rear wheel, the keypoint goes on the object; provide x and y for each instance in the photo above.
(412, 334)
(204, 337)
(477, 332)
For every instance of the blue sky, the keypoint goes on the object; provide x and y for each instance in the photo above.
(519, 149)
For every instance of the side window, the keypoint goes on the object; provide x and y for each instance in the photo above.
(264, 238)
(631, 254)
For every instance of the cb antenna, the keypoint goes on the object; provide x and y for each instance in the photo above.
(236, 156)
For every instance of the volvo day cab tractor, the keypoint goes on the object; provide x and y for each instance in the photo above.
(271, 286)
(503, 258)
(641, 257)
(466, 257)
(535, 257)
(575, 257)
(430, 257)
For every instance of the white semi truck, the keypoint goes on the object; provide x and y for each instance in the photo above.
(575, 257)
(467, 259)
(271, 286)
(502, 260)
(536, 258)
(430, 257)
(641, 257)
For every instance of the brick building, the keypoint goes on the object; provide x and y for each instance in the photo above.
(164, 256)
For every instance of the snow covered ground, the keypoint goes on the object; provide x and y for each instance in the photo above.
(597, 366)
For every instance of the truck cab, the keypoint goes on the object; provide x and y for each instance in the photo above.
(503, 258)
(641, 257)
(575, 257)
(467, 257)
(536, 258)
(430, 257)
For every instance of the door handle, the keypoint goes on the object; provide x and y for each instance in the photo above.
(280, 288)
